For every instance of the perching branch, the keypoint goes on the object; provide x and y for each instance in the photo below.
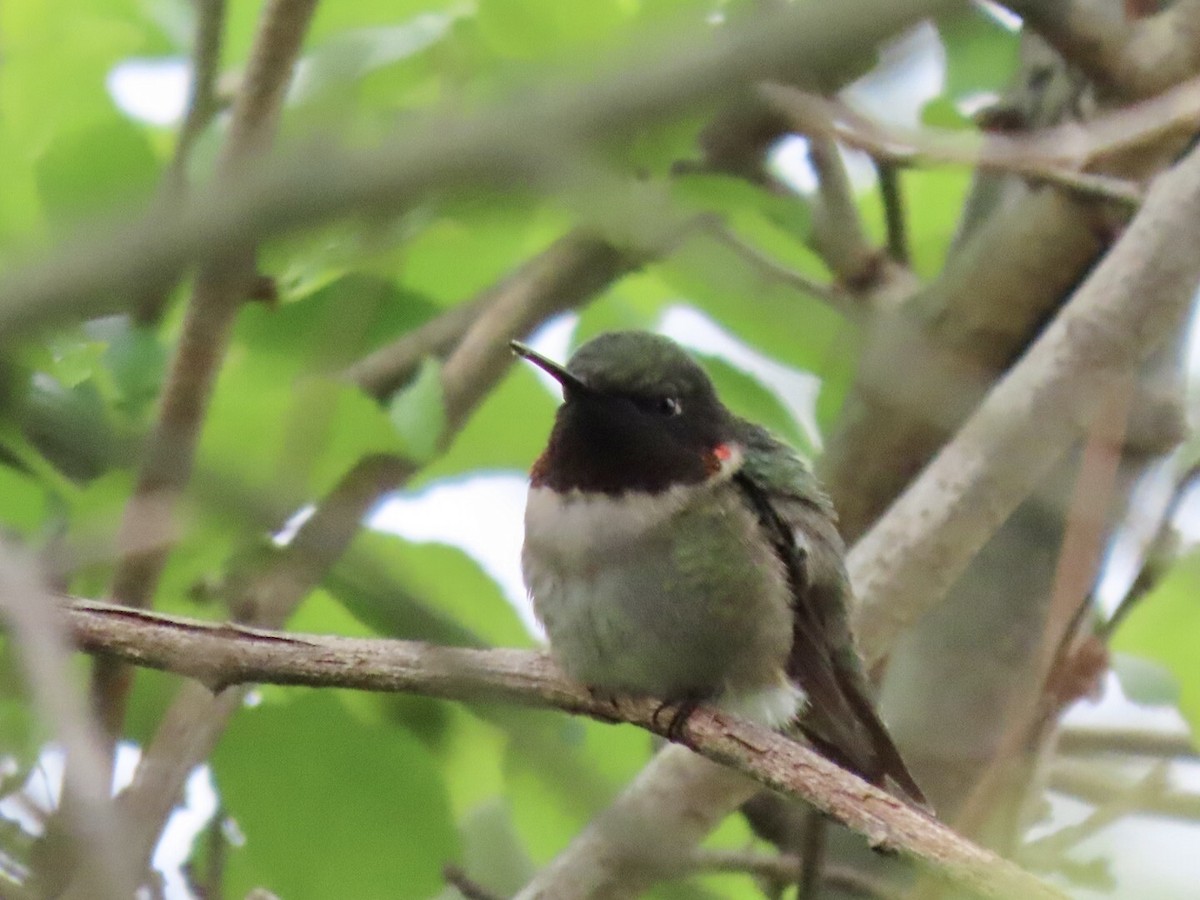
(221, 655)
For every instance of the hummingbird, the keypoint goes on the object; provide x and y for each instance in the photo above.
(675, 550)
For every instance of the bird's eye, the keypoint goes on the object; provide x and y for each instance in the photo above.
(670, 406)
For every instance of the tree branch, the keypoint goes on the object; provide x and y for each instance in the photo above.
(1125, 59)
(1060, 154)
(196, 719)
(220, 287)
(788, 869)
(1085, 741)
(39, 633)
(1099, 785)
(498, 145)
(1139, 294)
(221, 655)
(202, 100)
(905, 564)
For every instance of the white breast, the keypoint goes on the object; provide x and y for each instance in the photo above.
(571, 525)
(574, 527)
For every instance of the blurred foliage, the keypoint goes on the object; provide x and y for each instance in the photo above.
(340, 795)
(1163, 628)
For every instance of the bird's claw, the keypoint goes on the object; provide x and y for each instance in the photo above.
(676, 728)
(600, 695)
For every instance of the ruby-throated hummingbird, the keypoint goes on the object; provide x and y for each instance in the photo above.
(674, 549)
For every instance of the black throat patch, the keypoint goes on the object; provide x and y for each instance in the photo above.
(614, 444)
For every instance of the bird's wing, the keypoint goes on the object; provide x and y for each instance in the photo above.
(840, 718)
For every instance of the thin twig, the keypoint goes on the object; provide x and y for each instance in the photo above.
(1031, 709)
(383, 371)
(771, 270)
(1128, 742)
(201, 108)
(202, 100)
(812, 856)
(1057, 155)
(838, 234)
(890, 189)
(1163, 549)
(221, 655)
(219, 290)
(786, 868)
(470, 889)
(499, 145)
(1098, 785)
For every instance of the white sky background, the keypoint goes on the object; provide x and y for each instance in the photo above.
(1142, 851)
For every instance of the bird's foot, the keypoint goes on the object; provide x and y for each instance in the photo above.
(607, 697)
(683, 709)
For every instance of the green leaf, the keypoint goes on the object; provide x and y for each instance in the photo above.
(472, 245)
(549, 804)
(940, 112)
(507, 431)
(137, 361)
(346, 57)
(1162, 628)
(533, 29)
(424, 591)
(56, 57)
(753, 400)
(331, 807)
(99, 167)
(93, 519)
(271, 424)
(418, 413)
(22, 502)
(780, 321)
(738, 201)
(981, 54)
(1144, 681)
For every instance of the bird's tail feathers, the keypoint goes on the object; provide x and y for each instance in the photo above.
(846, 728)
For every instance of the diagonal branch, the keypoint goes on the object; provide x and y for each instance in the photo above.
(1139, 294)
(1124, 58)
(498, 145)
(221, 655)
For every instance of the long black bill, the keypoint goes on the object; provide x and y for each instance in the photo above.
(571, 384)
